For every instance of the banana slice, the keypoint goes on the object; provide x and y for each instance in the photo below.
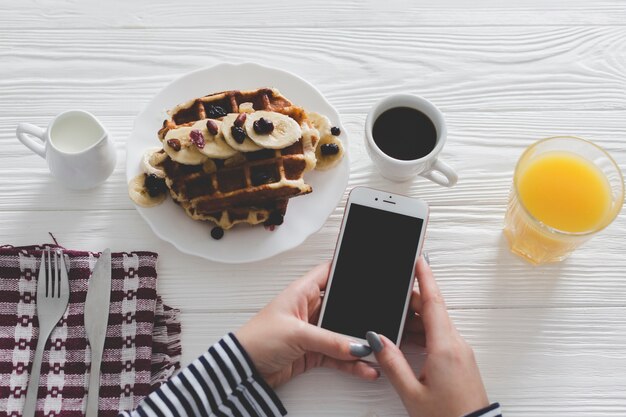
(177, 144)
(215, 146)
(227, 124)
(246, 107)
(310, 139)
(209, 166)
(286, 131)
(320, 122)
(328, 153)
(151, 161)
(190, 153)
(139, 193)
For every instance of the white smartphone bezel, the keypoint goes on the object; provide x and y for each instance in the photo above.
(390, 202)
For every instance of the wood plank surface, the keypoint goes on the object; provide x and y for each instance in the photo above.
(537, 361)
(320, 13)
(467, 250)
(461, 69)
(550, 340)
(482, 146)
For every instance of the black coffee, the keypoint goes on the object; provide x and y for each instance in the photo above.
(404, 133)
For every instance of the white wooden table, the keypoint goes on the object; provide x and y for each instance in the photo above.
(551, 341)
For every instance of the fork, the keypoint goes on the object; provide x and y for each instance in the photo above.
(53, 294)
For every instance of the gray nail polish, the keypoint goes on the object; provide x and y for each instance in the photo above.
(426, 258)
(374, 340)
(359, 350)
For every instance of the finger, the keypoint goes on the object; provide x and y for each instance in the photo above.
(412, 339)
(415, 303)
(311, 338)
(434, 314)
(414, 324)
(311, 285)
(394, 365)
(319, 275)
(356, 368)
(314, 313)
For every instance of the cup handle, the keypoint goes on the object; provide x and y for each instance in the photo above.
(24, 132)
(442, 174)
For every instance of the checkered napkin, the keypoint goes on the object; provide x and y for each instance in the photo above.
(142, 348)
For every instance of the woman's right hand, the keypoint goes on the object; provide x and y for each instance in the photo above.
(449, 384)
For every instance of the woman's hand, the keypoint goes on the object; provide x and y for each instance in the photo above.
(283, 340)
(449, 384)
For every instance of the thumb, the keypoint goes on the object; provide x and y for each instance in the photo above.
(394, 365)
(315, 339)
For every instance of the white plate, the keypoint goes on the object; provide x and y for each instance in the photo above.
(243, 243)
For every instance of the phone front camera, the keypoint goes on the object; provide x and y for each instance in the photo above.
(376, 199)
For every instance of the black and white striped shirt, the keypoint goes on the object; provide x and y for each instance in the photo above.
(223, 383)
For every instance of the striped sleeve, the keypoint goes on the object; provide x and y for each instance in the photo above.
(221, 383)
(490, 411)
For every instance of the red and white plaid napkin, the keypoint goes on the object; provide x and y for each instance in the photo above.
(142, 348)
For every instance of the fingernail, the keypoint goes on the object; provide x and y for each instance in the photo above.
(374, 340)
(426, 258)
(359, 350)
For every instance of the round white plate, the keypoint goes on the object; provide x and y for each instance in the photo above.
(305, 214)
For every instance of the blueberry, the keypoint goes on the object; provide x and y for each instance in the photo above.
(217, 233)
(335, 131)
(238, 134)
(330, 149)
(214, 111)
(155, 185)
(263, 127)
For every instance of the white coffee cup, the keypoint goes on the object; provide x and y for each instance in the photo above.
(76, 146)
(428, 166)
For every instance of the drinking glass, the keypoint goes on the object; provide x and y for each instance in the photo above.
(538, 242)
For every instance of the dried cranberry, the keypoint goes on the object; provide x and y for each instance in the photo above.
(263, 127)
(212, 127)
(217, 233)
(197, 138)
(238, 134)
(335, 131)
(330, 149)
(276, 218)
(239, 121)
(215, 112)
(174, 144)
(154, 185)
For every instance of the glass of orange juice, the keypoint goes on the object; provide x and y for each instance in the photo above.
(565, 190)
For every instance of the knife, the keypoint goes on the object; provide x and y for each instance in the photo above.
(96, 321)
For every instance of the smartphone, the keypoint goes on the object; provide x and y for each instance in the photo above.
(372, 272)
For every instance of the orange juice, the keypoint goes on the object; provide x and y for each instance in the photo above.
(565, 191)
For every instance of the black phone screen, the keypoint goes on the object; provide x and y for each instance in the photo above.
(373, 272)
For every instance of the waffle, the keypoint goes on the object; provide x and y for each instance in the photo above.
(251, 187)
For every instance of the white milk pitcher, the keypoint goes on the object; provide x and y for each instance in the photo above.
(78, 149)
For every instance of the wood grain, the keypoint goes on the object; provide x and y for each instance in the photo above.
(550, 340)
(460, 69)
(539, 361)
(323, 13)
(482, 146)
(467, 250)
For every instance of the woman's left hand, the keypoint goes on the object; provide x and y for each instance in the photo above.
(283, 340)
